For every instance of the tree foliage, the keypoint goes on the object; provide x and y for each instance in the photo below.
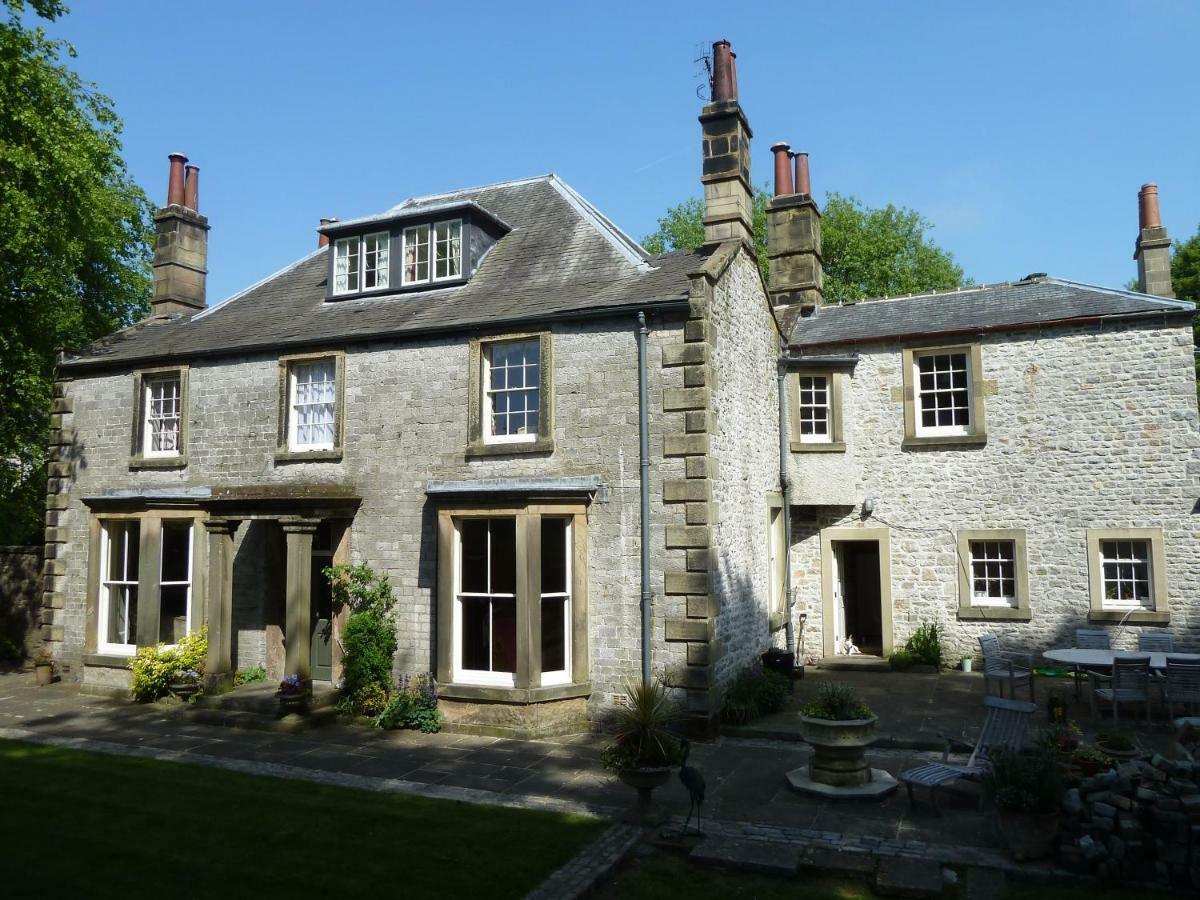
(867, 252)
(74, 243)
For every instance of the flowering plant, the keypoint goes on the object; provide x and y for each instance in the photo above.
(291, 686)
(189, 676)
(413, 705)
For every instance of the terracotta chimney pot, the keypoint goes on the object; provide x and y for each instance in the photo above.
(191, 188)
(175, 190)
(323, 239)
(803, 186)
(722, 78)
(783, 170)
(1148, 212)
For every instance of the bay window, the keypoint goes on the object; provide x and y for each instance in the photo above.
(117, 607)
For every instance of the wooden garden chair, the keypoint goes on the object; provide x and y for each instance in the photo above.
(1129, 683)
(1004, 725)
(1182, 684)
(1005, 665)
(1089, 639)
(1156, 642)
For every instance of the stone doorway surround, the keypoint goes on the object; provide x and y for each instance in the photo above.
(831, 536)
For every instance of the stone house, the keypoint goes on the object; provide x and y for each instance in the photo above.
(572, 460)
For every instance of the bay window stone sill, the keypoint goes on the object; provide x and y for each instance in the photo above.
(519, 696)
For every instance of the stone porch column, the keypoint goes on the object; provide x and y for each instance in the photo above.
(218, 609)
(298, 620)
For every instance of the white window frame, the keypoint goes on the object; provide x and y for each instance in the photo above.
(435, 243)
(922, 430)
(1012, 560)
(108, 587)
(813, 438)
(478, 676)
(383, 260)
(405, 243)
(191, 561)
(563, 675)
(1118, 604)
(149, 382)
(489, 436)
(293, 418)
(352, 257)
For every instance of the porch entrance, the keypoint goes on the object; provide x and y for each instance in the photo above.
(858, 612)
(321, 644)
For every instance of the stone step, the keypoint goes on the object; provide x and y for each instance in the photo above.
(756, 856)
(858, 663)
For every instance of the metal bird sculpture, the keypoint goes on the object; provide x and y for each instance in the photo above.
(694, 782)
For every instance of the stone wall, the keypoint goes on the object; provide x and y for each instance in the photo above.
(21, 596)
(406, 423)
(1086, 428)
(745, 459)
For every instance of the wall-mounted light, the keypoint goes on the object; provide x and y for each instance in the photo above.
(868, 506)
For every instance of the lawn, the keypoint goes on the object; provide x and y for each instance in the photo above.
(90, 825)
(661, 877)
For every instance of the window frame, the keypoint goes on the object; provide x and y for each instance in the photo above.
(918, 435)
(139, 458)
(528, 684)
(433, 255)
(104, 597)
(191, 573)
(479, 442)
(1100, 609)
(489, 392)
(286, 450)
(835, 387)
(1016, 610)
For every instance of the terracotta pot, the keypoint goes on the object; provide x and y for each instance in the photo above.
(839, 749)
(44, 674)
(646, 812)
(1116, 754)
(1028, 835)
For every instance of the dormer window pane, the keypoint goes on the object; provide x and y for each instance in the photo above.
(416, 254)
(375, 261)
(345, 265)
(447, 249)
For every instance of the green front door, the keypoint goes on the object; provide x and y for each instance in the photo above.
(321, 651)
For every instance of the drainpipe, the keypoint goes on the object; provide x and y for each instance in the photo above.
(784, 489)
(644, 434)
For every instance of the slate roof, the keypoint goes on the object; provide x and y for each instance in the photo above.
(562, 258)
(1035, 302)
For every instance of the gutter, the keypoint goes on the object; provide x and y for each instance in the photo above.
(784, 489)
(644, 442)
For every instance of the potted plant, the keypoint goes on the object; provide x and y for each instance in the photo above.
(1089, 760)
(643, 750)
(1056, 708)
(1028, 793)
(839, 727)
(1061, 739)
(186, 684)
(43, 667)
(1116, 745)
(967, 663)
(293, 694)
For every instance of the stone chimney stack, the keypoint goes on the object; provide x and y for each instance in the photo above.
(181, 244)
(793, 237)
(1153, 248)
(728, 193)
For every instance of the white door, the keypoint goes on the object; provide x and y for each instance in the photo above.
(839, 601)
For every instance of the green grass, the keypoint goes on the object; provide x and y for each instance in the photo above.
(661, 877)
(89, 825)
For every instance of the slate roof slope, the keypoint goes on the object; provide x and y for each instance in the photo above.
(1032, 303)
(562, 258)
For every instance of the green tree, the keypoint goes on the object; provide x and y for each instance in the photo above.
(74, 242)
(866, 252)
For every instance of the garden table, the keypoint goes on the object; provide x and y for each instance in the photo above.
(1103, 659)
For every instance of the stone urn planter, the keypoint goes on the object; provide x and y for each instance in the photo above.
(1028, 836)
(839, 749)
(184, 690)
(646, 811)
(44, 672)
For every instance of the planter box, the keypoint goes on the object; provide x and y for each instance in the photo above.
(839, 749)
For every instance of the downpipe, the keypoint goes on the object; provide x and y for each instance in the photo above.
(785, 491)
(644, 436)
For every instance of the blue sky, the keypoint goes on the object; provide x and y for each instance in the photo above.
(1021, 130)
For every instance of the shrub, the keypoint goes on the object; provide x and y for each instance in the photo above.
(836, 702)
(253, 675)
(413, 705)
(360, 590)
(901, 659)
(155, 668)
(755, 692)
(925, 644)
(369, 700)
(1026, 781)
(368, 645)
(640, 730)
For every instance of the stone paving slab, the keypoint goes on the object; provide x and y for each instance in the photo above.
(756, 856)
(578, 876)
(903, 877)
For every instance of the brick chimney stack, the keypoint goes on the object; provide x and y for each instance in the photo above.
(793, 237)
(180, 244)
(1153, 248)
(728, 192)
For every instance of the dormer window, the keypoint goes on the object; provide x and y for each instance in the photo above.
(446, 240)
(364, 259)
